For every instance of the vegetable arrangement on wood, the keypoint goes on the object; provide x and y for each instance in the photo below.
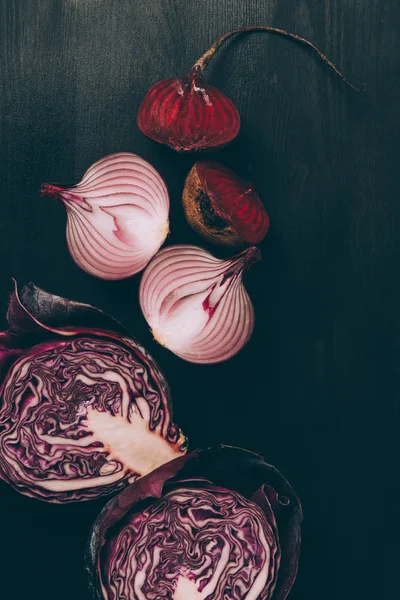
(85, 410)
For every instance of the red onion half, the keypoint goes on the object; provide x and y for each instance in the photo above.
(196, 304)
(117, 216)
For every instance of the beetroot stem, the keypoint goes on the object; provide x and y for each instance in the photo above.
(207, 56)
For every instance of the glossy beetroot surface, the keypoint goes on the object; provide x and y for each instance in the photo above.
(188, 114)
(223, 207)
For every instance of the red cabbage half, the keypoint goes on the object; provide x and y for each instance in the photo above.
(84, 409)
(216, 524)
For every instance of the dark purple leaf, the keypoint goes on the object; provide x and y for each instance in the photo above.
(54, 311)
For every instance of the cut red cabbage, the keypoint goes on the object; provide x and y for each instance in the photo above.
(84, 410)
(216, 524)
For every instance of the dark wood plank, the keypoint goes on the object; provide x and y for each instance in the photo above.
(317, 389)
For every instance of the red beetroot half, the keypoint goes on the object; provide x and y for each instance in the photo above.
(186, 113)
(222, 207)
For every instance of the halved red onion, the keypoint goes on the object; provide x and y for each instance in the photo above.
(196, 304)
(117, 216)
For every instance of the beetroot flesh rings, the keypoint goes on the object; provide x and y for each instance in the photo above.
(212, 120)
(84, 411)
(213, 524)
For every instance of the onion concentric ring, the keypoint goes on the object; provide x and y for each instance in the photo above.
(117, 216)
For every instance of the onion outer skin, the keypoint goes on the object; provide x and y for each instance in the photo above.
(196, 304)
(117, 216)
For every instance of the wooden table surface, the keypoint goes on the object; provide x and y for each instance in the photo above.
(316, 391)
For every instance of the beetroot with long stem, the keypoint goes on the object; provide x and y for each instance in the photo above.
(186, 113)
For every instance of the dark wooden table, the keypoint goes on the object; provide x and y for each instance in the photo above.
(316, 389)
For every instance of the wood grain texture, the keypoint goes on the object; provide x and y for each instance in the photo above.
(316, 391)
